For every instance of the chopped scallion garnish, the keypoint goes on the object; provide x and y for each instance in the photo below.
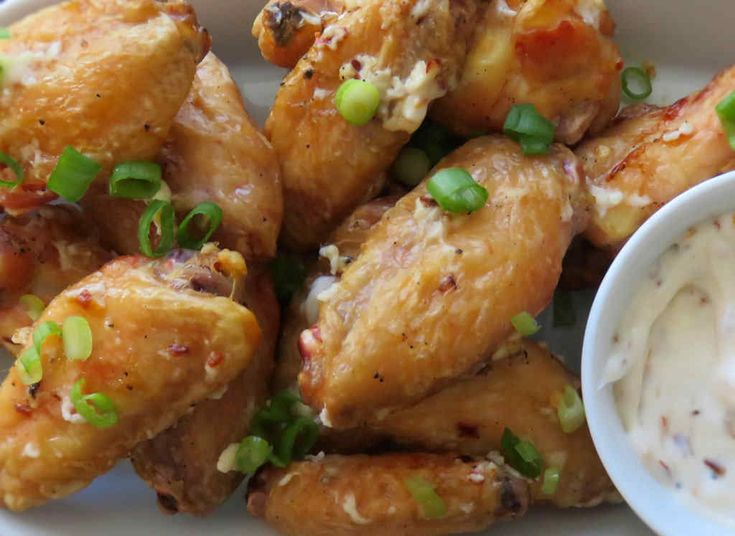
(434, 140)
(15, 167)
(77, 337)
(29, 366)
(726, 112)
(357, 101)
(525, 324)
(165, 227)
(431, 504)
(207, 211)
(570, 410)
(297, 439)
(521, 454)
(96, 408)
(636, 83)
(135, 180)
(32, 305)
(43, 331)
(550, 484)
(252, 452)
(528, 127)
(288, 276)
(73, 174)
(4, 32)
(456, 191)
(411, 166)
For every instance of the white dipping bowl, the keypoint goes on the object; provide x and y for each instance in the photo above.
(657, 504)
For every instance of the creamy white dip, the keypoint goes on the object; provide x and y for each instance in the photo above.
(673, 367)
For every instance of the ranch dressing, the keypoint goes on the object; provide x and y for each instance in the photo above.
(673, 367)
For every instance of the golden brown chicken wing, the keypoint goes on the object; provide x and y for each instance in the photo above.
(556, 54)
(432, 294)
(104, 76)
(42, 253)
(286, 29)
(164, 336)
(214, 152)
(181, 463)
(377, 495)
(410, 50)
(650, 156)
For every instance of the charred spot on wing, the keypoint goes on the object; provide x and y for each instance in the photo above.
(283, 19)
(167, 503)
(513, 496)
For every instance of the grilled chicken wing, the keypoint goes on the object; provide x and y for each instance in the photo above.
(369, 495)
(165, 337)
(410, 49)
(432, 294)
(214, 152)
(181, 463)
(650, 156)
(75, 69)
(556, 54)
(521, 393)
(286, 29)
(42, 253)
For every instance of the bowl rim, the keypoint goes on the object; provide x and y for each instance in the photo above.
(656, 504)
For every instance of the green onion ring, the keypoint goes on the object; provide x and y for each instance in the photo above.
(77, 337)
(207, 209)
(135, 180)
(73, 174)
(636, 75)
(96, 408)
(15, 167)
(166, 241)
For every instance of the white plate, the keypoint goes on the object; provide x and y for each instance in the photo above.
(687, 41)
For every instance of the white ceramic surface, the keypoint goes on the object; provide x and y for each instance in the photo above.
(686, 40)
(656, 503)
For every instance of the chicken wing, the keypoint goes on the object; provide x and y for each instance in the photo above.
(410, 50)
(181, 463)
(165, 337)
(42, 253)
(286, 29)
(432, 294)
(370, 495)
(650, 155)
(214, 152)
(521, 393)
(76, 67)
(556, 54)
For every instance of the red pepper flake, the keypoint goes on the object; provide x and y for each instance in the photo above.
(717, 469)
(356, 64)
(447, 283)
(215, 359)
(428, 201)
(664, 423)
(177, 349)
(665, 466)
(84, 298)
(23, 409)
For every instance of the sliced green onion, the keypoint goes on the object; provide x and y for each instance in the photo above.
(726, 112)
(288, 273)
(96, 408)
(551, 479)
(434, 140)
(252, 452)
(297, 439)
(15, 167)
(165, 229)
(525, 324)
(29, 366)
(456, 191)
(636, 83)
(423, 492)
(73, 174)
(211, 213)
(77, 337)
(570, 410)
(4, 32)
(411, 166)
(43, 331)
(520, 454)
(528, 127)
(357, 101)
(564, 315)
(135, 180)
(32, 305)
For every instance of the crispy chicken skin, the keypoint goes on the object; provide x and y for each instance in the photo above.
(286, 29)
(442, 288)
(649, 156)
(181, 463)
(75, 69)
(42, 253)
(214, 152)
(556, 54)
(165, 337)
(519, 392)
(411, 50)
(367, 495)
